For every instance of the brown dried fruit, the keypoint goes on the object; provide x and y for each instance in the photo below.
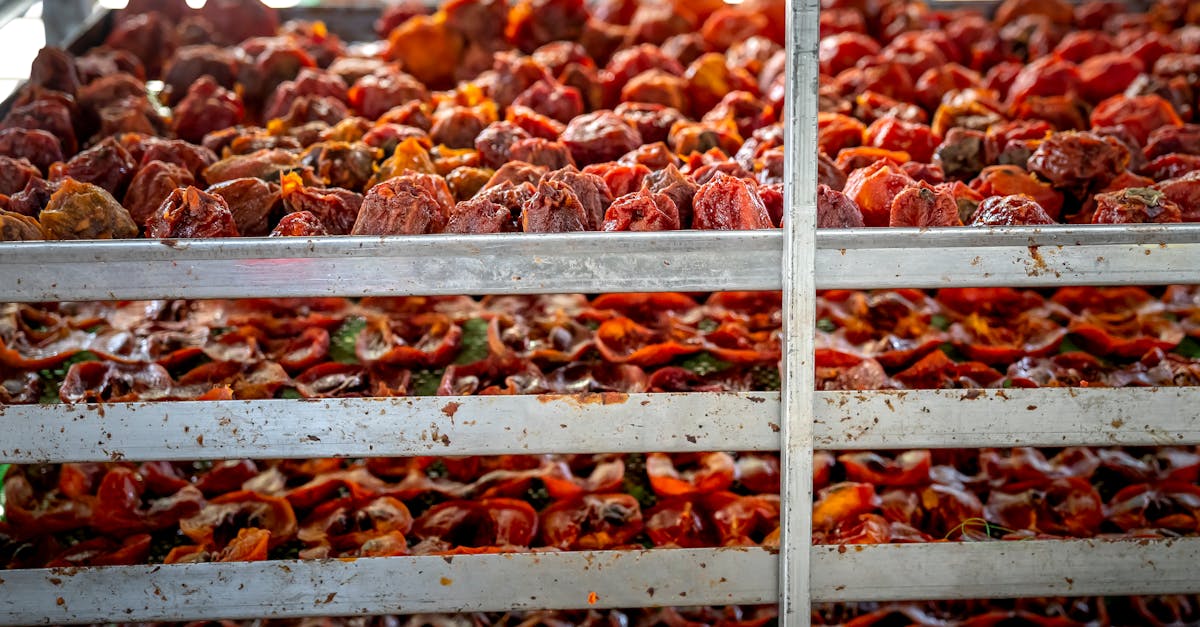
(84, 211)
(191, 213)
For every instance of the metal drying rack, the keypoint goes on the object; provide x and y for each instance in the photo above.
(794, 422)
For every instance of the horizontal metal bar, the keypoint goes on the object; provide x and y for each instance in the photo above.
(593, 262)
(443, 425)
(998, 570)
(617, 578)
(1014, 257)
(1011, 417)
(492, 425)
(390, 266)
(388, 586)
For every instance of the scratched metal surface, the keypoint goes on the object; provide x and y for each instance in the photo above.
(595, 262)
(615, 423)
(595, 579)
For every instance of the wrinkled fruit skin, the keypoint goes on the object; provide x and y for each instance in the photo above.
(728, 203)
(836, 211)
(299, 224)
(642, 211)
(85, 211)
(1135, 205)
(554, 208)
(191, 213)
(404, 205)
(252, 201)
(1010, 211)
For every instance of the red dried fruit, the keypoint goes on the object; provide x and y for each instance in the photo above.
(652, 121)
(872, 188)
(299, 224)
(599, 136)
(39, 147)
(836, 211)
(728, 203)
(891, 134)
(642, 211)
(480, 215)
(15, 174)
(552, 99)
(1076, 161)
(1135, 205)
(1010, 211)
(1008, 180)
(555, 208)
(188, 213)
(207, 107)
(153, 182)
(1140, 114)
(107, 165)
(405, 205)
(923, 205)
(836, 132)
(1184, 191)
(376, 93)
(590, 190)
(251, 201)
(336, 208)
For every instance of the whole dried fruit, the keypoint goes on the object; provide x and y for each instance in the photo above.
(728, 203)
(84, 211)
(299, 224)
(642, 211)
(1135, 205)
(251, 201)
(191, 213)
(404, 205)
(1010, 211)
(554, 208)
(15, 227)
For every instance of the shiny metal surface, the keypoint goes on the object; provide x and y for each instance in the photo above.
(799, 309)
(612, 423)
(594, 262)
(460, 425)
(557, 580)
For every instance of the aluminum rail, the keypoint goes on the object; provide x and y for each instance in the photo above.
(409, 426)
(389, 266)
(594, 262)
(611, 423)
(799, 312)
(577, 580)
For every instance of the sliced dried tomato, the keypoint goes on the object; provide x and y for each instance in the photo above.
(591, 522)
(908, 468)
(1172, 505)
(358, 481)
(621, 340)
(679, 522)
(742, 520)
(224, 517)
(843, 501)
(348, 523)
(428, 340)
(562, 483)
(707, 472)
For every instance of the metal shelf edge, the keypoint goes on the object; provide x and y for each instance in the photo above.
(591, 423)
(567, 580)
(391, 585)
(594, 262)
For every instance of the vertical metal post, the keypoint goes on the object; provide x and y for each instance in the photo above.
(799, 296)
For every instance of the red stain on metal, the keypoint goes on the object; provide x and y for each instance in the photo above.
(592, 598)
(450, 409)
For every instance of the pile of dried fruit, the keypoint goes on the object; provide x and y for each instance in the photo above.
(478, 118)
